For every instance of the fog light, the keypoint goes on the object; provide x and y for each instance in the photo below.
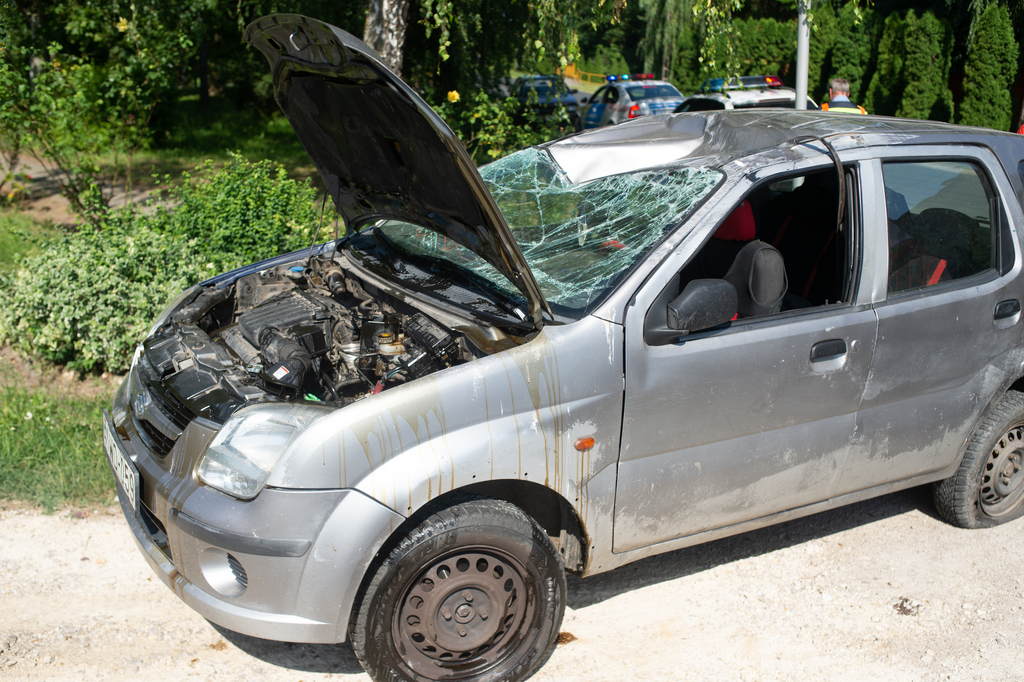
(223, 572)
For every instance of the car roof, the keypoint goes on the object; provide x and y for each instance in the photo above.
(713, 139)
(748, 95)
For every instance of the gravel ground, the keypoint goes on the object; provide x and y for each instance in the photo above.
(881, 590)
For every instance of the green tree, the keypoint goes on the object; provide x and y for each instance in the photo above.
(819, 63)
(767, 46)
(92, 89)
(853, 55)
(886, 89)
(926, 72)
(666, 19)
(989, 72)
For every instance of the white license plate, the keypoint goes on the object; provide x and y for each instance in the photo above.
(124, 470)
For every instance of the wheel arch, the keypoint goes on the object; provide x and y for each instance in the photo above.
(547, 508)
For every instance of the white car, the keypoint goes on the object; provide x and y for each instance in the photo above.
(747, 92)
(628, 97)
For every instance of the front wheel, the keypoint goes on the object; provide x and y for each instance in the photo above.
(988, 488)
(475, 592)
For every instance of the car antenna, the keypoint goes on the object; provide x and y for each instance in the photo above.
(316, 234)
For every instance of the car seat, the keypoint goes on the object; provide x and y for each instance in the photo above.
(732, 235)
(759, 275)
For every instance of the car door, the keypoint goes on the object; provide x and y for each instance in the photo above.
(613, 108)
(746, 420)
(948, 306)
(596, 109)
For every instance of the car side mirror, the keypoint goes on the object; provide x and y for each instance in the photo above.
(704, 303)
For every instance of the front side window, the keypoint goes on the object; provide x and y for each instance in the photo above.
(942, 222)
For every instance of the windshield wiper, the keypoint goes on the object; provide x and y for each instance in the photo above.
(393, 260)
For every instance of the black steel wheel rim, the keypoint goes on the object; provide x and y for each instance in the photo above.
(1002, 477)
(467, 612)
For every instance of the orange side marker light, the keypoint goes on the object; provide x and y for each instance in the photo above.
(584, 443)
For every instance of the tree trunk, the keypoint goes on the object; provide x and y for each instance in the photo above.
(385, 30)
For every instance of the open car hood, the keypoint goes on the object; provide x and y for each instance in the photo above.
(381, 150)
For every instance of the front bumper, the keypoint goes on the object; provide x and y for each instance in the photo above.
(284, 566)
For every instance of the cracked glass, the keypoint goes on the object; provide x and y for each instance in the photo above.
(578, 239)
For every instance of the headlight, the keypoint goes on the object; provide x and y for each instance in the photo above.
(248, 446)
(165, 316)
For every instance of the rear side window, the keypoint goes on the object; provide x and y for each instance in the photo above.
(942, 222)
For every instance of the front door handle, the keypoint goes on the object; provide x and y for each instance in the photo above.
(1005, 309)
(828, 350)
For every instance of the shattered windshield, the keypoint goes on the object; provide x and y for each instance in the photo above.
(579, 240)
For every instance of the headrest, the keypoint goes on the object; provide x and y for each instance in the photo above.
(759, 275)
(739, 226)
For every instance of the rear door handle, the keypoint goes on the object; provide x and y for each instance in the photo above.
(828, 350)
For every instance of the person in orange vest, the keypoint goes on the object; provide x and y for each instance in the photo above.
(839, 98)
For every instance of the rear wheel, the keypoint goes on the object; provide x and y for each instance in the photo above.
(475, 592)
(988, 488)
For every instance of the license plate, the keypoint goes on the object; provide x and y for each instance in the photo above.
(124, 470)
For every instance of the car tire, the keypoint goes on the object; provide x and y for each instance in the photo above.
(988, 487)
(474, 592)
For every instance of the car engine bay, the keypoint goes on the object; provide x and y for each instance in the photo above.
(302, 330)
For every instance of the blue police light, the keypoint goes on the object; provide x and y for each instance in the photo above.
(624, 77)
(611, 78)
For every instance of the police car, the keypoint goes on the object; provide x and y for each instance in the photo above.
(746, 92)
(630, 96)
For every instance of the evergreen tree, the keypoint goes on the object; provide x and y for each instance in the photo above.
(819, 63)
(853, 55)
(927, 93)
(886, 89)
(767, 46)
(686, 66)
(989, 72)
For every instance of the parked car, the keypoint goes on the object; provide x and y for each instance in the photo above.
(627, 97)
(606, 347)
(546, 96)
(746, 92)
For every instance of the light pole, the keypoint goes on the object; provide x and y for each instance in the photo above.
(803, 40)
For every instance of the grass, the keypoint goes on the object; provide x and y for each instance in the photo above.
(19, 235)
(51, 449)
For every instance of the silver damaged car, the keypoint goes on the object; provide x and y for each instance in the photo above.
(617, 344)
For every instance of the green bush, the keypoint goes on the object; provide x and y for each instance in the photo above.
(606, 60)
(886, 89)
(989, 72)
(853, 55)
(90, 296)
(493, 127)
(242, 212)
(819, 63)
(926, 71)
(768, 47)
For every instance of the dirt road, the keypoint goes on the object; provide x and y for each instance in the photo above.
(882, 590)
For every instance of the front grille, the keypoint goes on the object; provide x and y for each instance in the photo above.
(238, 571)
(158, 442)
